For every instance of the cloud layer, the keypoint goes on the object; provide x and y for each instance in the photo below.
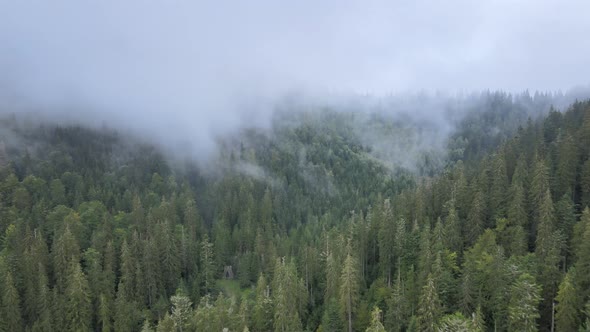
(186, 70)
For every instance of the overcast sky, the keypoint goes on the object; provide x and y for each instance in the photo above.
(197, 66)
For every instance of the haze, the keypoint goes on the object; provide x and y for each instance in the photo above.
(187, 70)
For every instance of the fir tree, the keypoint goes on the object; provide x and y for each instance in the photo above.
(567, 308)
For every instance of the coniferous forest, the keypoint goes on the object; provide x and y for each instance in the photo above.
(329, 220)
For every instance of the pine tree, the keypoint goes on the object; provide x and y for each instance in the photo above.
(386, 236)
(548, 251)
(332, 319)
(585, 184)
(332, 277)
(11, 309)
(376, 325)
(565, 215)
(289, 295)
(453, 240)
(104, 313)
(522, 308)
(43, 304)
(476, 219)
(65, 250)
(166, 324)
(565, 176)
(207, 264)
(127, 282)
(395, 315)
(349, 287)
(429, 309)
(146, 327)
(539, 188)
(454, 323)
(585, 327)
(567, 308)
(477, 321)
(126, 315)
(517, 213)
(426, 256)
(262, 317)
(167, 245)
(181, 311)
(581, 245)
(499, 186)
(78, 310)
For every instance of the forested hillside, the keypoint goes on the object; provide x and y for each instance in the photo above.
(330, 220)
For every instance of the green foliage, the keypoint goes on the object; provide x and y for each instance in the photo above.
(376, 325)
(430, 308)
(101, 232)
(568, 306)
(524, 299)
(11, 308)
(349, 287)
(181, 311)
(77, 303)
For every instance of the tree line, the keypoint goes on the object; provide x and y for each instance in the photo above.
(96, 237)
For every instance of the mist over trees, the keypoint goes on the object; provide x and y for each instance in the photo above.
(311, 224)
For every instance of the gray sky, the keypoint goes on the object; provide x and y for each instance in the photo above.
(198, 67)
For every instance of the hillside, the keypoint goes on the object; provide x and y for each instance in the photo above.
(329, 219)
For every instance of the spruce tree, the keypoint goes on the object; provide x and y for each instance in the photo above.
(262, 317)
(376, 325)
(567, 309)
(429, 309)
(78, 309)
(349, 287)
(523, 306)
(11, 308)
(207, 264)
(181, 311)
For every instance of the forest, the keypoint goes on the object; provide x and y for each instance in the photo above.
(329, 220)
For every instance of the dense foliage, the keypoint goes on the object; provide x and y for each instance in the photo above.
(302, 228)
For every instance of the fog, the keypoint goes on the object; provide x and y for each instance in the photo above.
(183, 72)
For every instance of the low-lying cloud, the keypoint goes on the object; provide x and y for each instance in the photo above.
(183, 72)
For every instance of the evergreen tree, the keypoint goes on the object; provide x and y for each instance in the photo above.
(349, 286)
(395, 315)
(166, 324)
(548, 251)
(11, 308)
(567, 308)
(454, 323)
(181, 311)
(585, 184)
(376, 325)
(499, 186)
(517, 213)
(78, 310)
(65, 250)
(288, 295)
(43, 304)
(386, 236)
(429, 309)
(104, 313)
(453, 239)
(332, 319)
(146, 327)
(524, 300)
(262, 317)
(581, 245)
(207, 264)
(476, 218)
(565, 175)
